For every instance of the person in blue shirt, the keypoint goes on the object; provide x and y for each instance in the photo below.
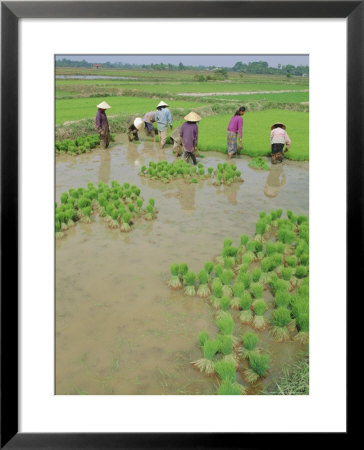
(163, 118)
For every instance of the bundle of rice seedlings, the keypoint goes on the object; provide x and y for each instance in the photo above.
(224, 306)
(218, 269)
(304, 259)
(250, 341)
(301, 271)
(260, 228)
(226, 325)
(303, 325)
(209, 267)
(183, 269)
(259, 309)
(175, 282)
(206, 364)
(266, 264)
(256, 274)
(286, 235)
(189, 279)
(203, 337)
(277, 259)
(257, 290)
(277, 284)
(210, 170)
(270, 248)
(228, 242)
(244, 238)
(113, 223)
(281, 317)
(226, 370)
(203, 290)
(216, 293)
(150, 215)
(287, 273)
(225, 344)
(259, 364)
(245, 278)
(238, 290)
(226, 278)
(282, 298)
(86, 217)
(228, 388)
(245, 304)
(125, 227)
(59, 233)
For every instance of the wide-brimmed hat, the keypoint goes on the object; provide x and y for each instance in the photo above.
(192, 117)
(162, 104)
(138, 123)
(278, 124)
(104, 105)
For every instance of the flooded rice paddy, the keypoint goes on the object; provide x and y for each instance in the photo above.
(119, 328)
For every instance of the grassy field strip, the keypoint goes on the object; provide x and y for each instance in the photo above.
(206, 94)
(212, 132)
(293, 97)
(178, 88)
(85, 108)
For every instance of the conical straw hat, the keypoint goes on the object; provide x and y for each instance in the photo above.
(278, 123)
(162, 104)
(104, 105)
(192, 117)
(138, 123)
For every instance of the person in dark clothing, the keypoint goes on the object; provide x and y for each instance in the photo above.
(102, 124)
(189, 136)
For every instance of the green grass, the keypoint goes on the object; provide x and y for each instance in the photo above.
(256, 132)
(284, 97)
(294, 379)
(85, 108)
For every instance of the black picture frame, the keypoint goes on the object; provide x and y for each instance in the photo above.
(11, 12)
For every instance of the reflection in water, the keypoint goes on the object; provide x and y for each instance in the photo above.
(105, 166)
(275, 181)
(230, 192)
(186, 194)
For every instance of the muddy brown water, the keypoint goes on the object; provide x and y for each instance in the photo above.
(119, 328)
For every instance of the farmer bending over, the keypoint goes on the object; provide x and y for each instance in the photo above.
(177, 141)
(133, 125)
(189, 135)
(278, 138)
(149, 119)
(163, 118)
(102, 124)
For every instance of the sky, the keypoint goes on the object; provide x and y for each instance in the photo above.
(191, 60)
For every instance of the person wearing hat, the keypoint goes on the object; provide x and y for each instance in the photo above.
(189, 135)
(163, 117)
(235, 126)
(278, 138)
(102, 124)
(133, 125)
(149, 119)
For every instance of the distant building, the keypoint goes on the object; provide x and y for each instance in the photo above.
(96, 66)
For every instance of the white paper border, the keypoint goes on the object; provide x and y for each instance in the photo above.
(325, 408)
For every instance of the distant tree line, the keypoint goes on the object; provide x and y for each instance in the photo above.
(257, 67)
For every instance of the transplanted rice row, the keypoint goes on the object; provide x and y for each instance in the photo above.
(273, 263)
(180, 169)
(120, 205)
(82, 144)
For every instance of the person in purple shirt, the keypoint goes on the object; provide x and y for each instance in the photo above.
(102, 124)
(235, 127)
(189, 135)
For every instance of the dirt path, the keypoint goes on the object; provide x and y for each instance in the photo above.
(207, 94)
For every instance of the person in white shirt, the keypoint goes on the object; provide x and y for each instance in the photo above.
(278, 139)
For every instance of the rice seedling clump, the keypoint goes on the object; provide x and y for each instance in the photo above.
(119, 205)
